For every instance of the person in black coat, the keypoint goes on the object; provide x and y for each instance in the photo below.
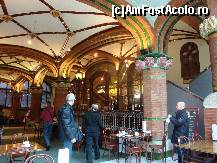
(68, 127)
(181, 126)
(92, 124)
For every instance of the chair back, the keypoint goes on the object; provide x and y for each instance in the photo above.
(183, 139)
(47, 158)
(164, 139)
(18, 138)
(196, 138)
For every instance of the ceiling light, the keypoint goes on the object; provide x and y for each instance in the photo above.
(127, 65)
(29, 42)
(79, 75)
(124, 73)
(101, 79)
(95, 55)
(69, 49)
(125, 61)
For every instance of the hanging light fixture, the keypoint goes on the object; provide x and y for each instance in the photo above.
(79, 75)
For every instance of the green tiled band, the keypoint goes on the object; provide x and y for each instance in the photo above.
(154, 118)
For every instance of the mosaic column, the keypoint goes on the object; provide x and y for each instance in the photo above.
(208, 29)
(155, 101)
(36, 93)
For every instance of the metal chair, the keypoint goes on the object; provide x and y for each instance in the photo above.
(46, 157)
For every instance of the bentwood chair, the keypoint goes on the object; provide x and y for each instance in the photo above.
(18, 152)
(159, 148)
(109, 142)
(47, 158)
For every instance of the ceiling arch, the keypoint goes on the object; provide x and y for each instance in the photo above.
(14, 74)
(13, 50)
(139, 27)
(164, 24)
(93, 43)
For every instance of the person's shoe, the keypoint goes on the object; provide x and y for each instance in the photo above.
(47, 148)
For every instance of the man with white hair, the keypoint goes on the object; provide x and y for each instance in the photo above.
(92, 124)
(67, 125)
(181, 126)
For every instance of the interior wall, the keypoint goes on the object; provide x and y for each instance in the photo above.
(174, 47)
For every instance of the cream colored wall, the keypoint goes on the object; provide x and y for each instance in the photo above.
(174, 73)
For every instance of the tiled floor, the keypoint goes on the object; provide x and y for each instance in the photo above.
(78, 157)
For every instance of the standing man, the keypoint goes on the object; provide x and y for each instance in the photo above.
(67, 125)
(181, 126)
(47, 120)
(92, 125)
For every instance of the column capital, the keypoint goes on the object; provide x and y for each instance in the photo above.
(153, 60)
(36, 89)
(61, 84)
(208, 27)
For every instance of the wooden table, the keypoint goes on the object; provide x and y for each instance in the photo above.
(7, 147)
(124, 140)
(204, 146)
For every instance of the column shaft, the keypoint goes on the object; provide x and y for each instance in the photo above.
(155, 100)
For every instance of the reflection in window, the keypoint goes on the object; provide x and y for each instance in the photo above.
(46, 94)
(5, 95)
(25, 98)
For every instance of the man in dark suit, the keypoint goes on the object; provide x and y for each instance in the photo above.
(68, 127)
(92, 124)
(181, 126)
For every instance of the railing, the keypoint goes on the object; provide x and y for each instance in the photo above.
(123, 120)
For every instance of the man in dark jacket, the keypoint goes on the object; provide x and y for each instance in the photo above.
(181, 126)
(92, 125)
(67, 125)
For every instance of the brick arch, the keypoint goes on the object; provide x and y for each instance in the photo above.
(138, 26)
(164, 24)
(44, 58)
(91, 44)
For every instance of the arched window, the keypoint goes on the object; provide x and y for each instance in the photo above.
(5, 95)
(190, 65)
(46, 94)
(25, 98)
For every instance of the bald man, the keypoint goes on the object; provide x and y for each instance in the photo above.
(181, 125)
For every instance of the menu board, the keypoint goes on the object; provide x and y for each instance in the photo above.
(193, 114)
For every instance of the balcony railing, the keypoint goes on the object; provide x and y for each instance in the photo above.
(123, 120)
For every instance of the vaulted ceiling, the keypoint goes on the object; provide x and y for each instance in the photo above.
(59, 37)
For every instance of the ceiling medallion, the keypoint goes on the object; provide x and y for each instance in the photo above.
(32, 35)
(55, 13)
(70, 34)
(6, 18)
